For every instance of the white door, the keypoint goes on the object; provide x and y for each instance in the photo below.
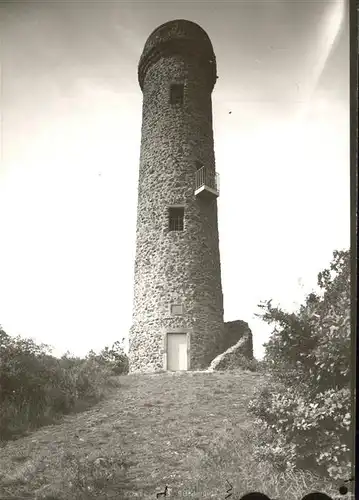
(176, 351)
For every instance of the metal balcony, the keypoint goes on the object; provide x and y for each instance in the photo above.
(207, 183)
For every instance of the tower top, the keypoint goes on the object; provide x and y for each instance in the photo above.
(179, 37)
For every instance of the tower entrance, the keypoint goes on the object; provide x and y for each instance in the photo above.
(176, 351)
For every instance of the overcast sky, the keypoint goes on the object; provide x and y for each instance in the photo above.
(71, 122)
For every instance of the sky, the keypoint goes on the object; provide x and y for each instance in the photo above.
(70, 141)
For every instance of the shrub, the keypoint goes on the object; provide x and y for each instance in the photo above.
(115, 358)
(293, 433)
(303, 416)
(36, 387)
(311, 348)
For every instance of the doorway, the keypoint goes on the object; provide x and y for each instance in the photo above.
(176, 351)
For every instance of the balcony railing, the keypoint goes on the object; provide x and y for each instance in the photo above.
(207, 182)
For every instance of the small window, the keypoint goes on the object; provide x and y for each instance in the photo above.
(176, 93)
(176, 309)
(176, 217)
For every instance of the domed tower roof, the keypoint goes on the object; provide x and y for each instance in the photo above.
(178, 37)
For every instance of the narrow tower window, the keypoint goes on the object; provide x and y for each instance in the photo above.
(176, 93)
(176, 217)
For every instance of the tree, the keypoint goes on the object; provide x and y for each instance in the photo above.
(304, 413)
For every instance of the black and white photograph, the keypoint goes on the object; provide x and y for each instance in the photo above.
(176, 250)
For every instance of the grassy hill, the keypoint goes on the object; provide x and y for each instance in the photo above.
(188, 431)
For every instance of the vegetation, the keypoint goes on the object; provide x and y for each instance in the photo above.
(303, 415)
(234, 361)
(189, 431)
(36, 387)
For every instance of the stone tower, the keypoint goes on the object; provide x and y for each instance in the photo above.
(178, 301)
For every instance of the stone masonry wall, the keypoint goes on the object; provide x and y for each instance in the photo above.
(239, 344)
(231, 359)
(175, 267)
(235, 331)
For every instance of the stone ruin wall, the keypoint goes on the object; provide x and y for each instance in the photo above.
(237, 344)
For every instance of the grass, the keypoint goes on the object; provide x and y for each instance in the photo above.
(188, 431)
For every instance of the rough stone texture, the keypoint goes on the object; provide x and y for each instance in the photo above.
(233, 332)
(176, 267)
(233, 357)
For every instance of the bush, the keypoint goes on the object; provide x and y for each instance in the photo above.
(293, 433)
(303, 415)
(115, 358)
(36, 387)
